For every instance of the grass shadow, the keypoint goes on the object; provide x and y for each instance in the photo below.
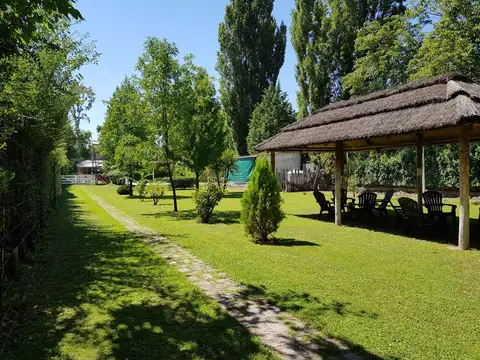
(226, 217)
(99, 292)
(311, 306)
(218, 217)
(290, 242)
(439, 233)
(233, 195)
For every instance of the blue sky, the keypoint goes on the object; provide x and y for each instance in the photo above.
(120, 27)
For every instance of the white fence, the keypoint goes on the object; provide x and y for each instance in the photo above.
(77, 179)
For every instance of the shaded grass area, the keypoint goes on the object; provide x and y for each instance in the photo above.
(389, 296)
(100, 293)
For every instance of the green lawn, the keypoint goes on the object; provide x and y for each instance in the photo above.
(100, 293)
(388, 295)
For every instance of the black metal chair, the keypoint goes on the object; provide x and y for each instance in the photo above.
(433, 201)
(381, 206)
(325, 205)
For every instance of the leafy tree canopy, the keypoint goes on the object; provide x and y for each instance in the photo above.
(386, 49)
(203, 133)
(126, 115)
(323, 36)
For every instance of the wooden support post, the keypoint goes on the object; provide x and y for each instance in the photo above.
(424, 186)
(464, 223)
(272, 160)
(338, 182)
(420, 170)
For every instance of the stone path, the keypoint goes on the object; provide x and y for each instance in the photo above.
(279, 330)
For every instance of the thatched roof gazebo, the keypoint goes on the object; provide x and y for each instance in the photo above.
(439, 110)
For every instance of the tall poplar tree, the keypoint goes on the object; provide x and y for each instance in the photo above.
(309, 30)
(323, 36)
(252, 51)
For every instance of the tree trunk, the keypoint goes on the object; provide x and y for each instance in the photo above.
(197, 180)
(225, 180)
(172, 184)
(130, 183)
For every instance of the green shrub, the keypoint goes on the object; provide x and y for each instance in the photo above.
(141, 188)
(123, 190)
(205, 201)
(261, 203)
(155, 190)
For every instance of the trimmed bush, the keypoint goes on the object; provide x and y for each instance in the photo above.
(155, 190)
(205, 201)
(123, 190)
(261, 203)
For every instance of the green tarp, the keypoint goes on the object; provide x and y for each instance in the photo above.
(245, 166)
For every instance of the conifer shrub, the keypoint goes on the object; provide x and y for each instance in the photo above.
(261, 203)
(206, 199)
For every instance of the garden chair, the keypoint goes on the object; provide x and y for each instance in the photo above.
(433, 201)
(325, 205)
(346, 201)
(381, 206)
(411, 213)
(366, 203)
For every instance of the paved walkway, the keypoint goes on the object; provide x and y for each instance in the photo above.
(268, 322)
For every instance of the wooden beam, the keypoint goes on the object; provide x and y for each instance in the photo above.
(338, 182)
(420, 170)
(424, 186)
(272, 160)
(464, 223)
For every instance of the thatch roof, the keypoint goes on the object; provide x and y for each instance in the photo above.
(386, 117)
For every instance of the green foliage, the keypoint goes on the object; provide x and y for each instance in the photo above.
(386, 49)
(21, 20)
(167, 87)
(394, 167)
(221, 167)
(398, 167)
(270, 115)
(203, 132)
(155, 190)
(309, 32)
(323, 37)
(389, 49)
(261, 203)
(141, 188)
(206, 199)
(123, 190)
(125, 125)
(38, 83)
(453, 45)
(252, 51)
